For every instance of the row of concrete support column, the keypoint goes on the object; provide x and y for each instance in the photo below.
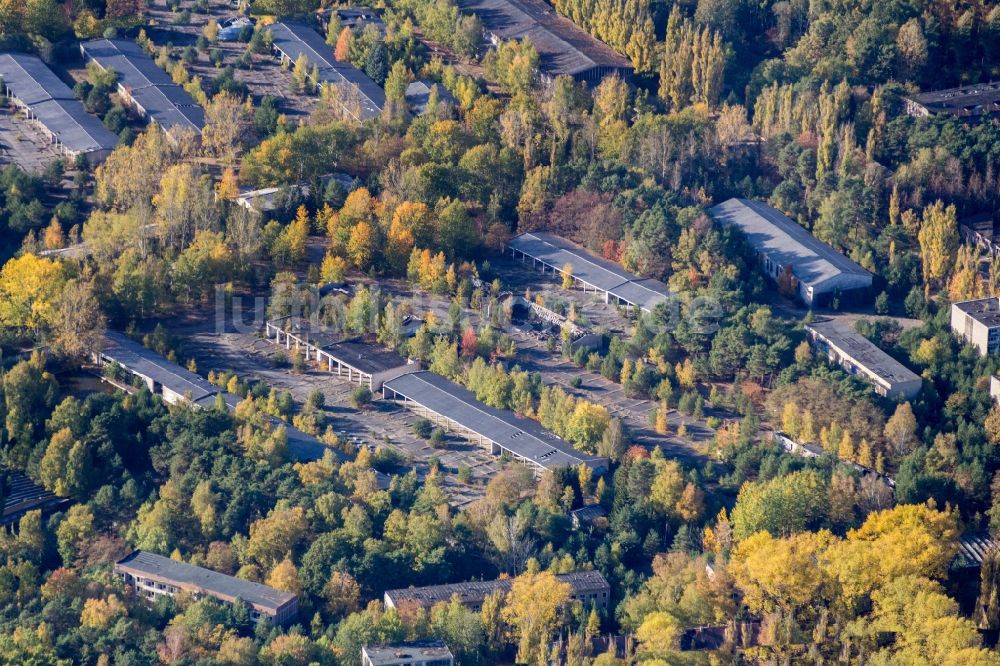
(313, 353)
(586, 286)
(31, 116)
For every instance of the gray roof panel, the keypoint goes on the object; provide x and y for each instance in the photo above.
(31, 79)
(563, 47)
(786, 242)
(211, 582)
(418, 94)
(646, 294)
(986, 311)
(135, 67)
(53, 105)
(596, 271)
(167, 103)
(136, 358)
(413, 652)
(524, 437)
(475, 591)
(864, 352)
(558, 252)
(294, 39)
(146, 362)
(75, 128)
(978, 98)
(369, 359)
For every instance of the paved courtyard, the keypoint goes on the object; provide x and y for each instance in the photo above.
(265, 78)
(24, 144)
(385, 424)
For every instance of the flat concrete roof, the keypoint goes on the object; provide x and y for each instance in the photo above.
(984, 310)
(975, 99)
(563, 47)
(407, 653)
(211, 582)
(864, 352)
(369, 359)
(146, 362)
(786, 242)
(137, 359)
(166, 103)
(418, 94)
(294, 39)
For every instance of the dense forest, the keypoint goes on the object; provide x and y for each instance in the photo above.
(798, 560)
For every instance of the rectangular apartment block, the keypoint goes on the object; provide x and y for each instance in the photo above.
(977, 322)
(152, 575)
(860, 356)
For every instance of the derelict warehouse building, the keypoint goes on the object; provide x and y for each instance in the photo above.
(554, 253)
(359, 96)
(819, 271)
(453, 406)
(174, 383)
(45, 99)
(563, 47)
(21, 495)
(146, 87)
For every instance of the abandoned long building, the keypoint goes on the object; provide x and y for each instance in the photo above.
(501, 431)
(358, 96)
(152, 576)
(45, 100)
(146, 87)
(819, 272)
(551, 253)
(564, 49)
(588, 587)
(860, 356)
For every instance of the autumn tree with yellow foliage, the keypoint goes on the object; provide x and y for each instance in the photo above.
(535, 607)
(939, 241)
(30, 288)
